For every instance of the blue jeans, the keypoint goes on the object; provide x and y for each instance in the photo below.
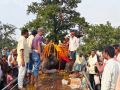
(36, 60)
(30, 63)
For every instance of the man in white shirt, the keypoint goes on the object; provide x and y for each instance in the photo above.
(30, 39)
(73, 45)
(91, 67)
(111, 70)
(23, 57)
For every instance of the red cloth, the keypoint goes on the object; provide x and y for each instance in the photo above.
(66, 59)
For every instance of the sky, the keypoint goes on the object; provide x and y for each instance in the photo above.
(94, 11)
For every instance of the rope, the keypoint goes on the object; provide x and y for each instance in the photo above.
(14, 86)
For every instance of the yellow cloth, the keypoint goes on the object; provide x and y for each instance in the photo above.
(22, 44)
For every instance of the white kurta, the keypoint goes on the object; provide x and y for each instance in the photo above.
(110, 75)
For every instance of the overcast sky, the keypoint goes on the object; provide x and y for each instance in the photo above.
(95, 11)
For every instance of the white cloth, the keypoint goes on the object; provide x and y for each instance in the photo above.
(29, 41)
(73, 43)
(110, 75)
(22, 44)
(97, 79)
(75, 83)
(105, 61)
(9, 62)
(92, 61)
(21, 75)
(117, 58)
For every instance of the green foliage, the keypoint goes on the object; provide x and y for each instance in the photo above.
(99, 36)
(56, 16)
(6, 32)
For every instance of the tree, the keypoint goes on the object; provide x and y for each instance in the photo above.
(58, 17)
(99, 36)
(6, 32)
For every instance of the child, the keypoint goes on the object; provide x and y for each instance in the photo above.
(9, 77)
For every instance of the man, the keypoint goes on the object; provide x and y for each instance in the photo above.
(12, 57)
(117, 52)
(30, 64)
(73, 45)
(12, 62)
(23, 57)
(111, 70)
(36, 53)
(91, 67)
(30, 39)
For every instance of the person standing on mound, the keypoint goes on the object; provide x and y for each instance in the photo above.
(23, 57)
(36, 53)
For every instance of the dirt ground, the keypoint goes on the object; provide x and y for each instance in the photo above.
(51, 82)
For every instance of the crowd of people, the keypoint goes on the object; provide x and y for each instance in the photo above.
(103, 68)
(8, 66)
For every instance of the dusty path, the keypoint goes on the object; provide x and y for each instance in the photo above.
(51, 82)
